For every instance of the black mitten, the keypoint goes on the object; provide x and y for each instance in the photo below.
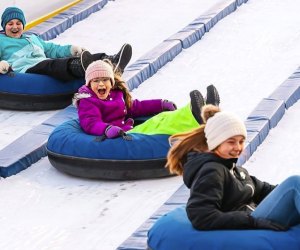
(261, 223)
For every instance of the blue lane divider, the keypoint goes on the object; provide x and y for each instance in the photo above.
(135, 74)
(30, 147)
(151, 62)
(61, 22)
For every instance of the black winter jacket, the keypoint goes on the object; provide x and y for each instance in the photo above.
(221, 194)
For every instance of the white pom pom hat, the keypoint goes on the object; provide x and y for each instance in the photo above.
(222, 126)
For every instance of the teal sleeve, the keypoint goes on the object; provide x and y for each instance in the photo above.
(53, 50)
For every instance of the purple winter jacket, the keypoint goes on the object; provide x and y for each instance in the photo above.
(95, 115)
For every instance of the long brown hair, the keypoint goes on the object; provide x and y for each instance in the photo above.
(183, 143)
(120, 84)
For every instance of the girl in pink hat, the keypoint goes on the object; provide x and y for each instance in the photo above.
(105, 107)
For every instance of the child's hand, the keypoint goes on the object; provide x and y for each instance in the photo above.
(261, 223)
(168, 105)
(76, 50)
(113, 132)
(4, 67)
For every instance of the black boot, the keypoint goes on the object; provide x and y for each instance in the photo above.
(212, 96)
(197, 102)
(78, 66)
(122, 58)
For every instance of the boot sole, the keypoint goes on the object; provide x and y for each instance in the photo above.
(125, 50)
(197, 102)
(86, 59)
(212, 96)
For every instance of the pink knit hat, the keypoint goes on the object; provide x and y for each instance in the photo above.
(99, 69)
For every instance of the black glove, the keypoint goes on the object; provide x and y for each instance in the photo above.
(261, 223)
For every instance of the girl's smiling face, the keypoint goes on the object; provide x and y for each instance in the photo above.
(231, 148)
(14, 28)
(101, 86)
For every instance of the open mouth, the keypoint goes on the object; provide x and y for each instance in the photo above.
(15, 33)
(102, 91)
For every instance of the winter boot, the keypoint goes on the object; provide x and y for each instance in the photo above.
(77, 66)
(122, 58)
(197, 102)
(212, 96)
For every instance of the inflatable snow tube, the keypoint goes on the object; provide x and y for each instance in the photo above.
(74, 152)
(24, 91)
(174, 231)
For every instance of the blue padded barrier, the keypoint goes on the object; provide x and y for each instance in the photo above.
(264, 117)
(188, 35)
(268, 109)
(215, 14)
(197, 28)
(259, 126)
(296, 75)
(30, 147)
(294, 78)
(253, 141)
(61, 22)
(151, 62)
(240, 2)
(136, 73)
(162, 54)
(288, 93)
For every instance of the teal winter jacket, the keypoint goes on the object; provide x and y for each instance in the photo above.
(28, 50)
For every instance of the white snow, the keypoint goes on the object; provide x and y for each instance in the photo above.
(246, 56)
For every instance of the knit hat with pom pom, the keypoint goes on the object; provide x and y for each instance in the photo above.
(221, 126)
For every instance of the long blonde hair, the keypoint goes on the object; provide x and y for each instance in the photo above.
(183, 143)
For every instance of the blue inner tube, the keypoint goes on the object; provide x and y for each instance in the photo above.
(72, 151)
(174, 231)
(24, 91)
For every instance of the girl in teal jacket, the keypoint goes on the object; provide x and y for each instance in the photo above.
(30, 54)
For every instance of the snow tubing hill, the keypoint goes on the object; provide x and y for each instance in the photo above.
(174, 231)
(74, 152)
(34, 92)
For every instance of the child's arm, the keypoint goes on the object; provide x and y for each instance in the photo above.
(53, 50)
(150, 107)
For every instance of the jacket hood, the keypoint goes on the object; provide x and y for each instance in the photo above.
(83, 92)
(195, 161)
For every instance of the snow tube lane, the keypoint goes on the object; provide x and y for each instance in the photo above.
(74, 152)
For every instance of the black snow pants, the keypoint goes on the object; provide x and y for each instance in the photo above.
(59, 67)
